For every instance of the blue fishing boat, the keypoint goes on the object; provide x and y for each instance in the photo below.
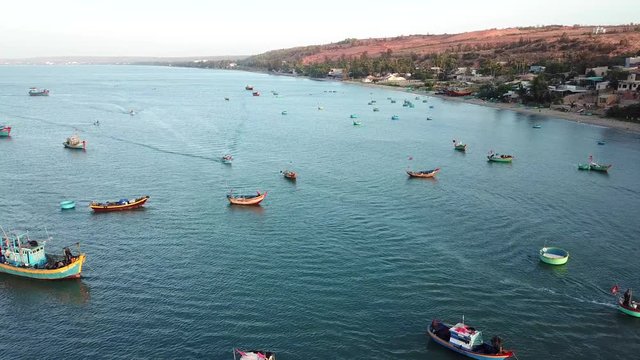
(21, 256)
(395, 117)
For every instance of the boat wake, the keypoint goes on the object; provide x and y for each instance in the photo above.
(583, 300)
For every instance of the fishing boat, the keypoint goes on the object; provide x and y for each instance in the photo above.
(393, 101)
(246, 199)
(353, 116)
(256, 93)
(395, 117)
(459, 146)
(21, 256)
(320, 108)
(626, 304)
(376, 109)
(5, 130)
(430, 106)
(601, 142)
(554, 255)
(495, 157)
(37, 92)
(467, 341)
(120, 205)
(592, 165)
(429, 118)
(423, 173)
(227, 159)
(67, 204)
(357, 123)
(537, 126)
(370, 103)
(288, 174)
(226, 99)
(74, 142)
(254, 355)
(248, 87)
(284, 112)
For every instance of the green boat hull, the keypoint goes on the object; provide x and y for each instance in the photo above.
(629, 312)
(461, 147)
(501, 160)
(584, 167)
(554, 260)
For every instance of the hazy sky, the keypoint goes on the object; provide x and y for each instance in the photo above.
(31, 28)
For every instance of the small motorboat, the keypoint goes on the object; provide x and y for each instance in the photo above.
(395, 117)
(120, 205)
(376, 109)
(24, 257)
(467, 341)
(353, 116)
(601, 142)
(132, 112)
(256, 93)
(536, 126)
(248, 87)
(284, 112)
(430, 106)
(495, 157)
(429, 118)
(320, 108)
(357, 123)
(288, 174)
(592, 165)
(37, 92)
(227, 159)
(459, 146)
(424, 173)
(5, 130)
(226, 99)
(254, 355)
(67, 204)
(370, 103)
(626, 304)
(554, 255)
(393, 101)
(74, 142)
(246, 199)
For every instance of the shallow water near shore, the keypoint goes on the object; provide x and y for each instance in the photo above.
(351, 261)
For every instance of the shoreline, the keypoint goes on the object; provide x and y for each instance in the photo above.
(519, 108)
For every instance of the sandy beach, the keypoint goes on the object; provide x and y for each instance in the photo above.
(571, 116)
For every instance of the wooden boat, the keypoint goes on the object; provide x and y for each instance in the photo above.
(395, 117)
(227, 159)
(592, 165)
(424, 173)
(376, 109)
(226, 99)
(353, 116)
(120, 205)
(601, 142)
(253, 355)
(248, 87)
(74, 142)
(467, 341)
(584, 167)
(67, 204)
(457, 92)
(291, 175)
(357, 123)
(495, 157)
(429, 118)
(5, 130)
(21, 256)
(246, 199)
(256, 93)
(284, 112)
(537, 126)
(37, 92)
(626, 304)
(459, 146)
(554, 255)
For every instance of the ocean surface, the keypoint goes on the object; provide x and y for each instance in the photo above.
(352, 261)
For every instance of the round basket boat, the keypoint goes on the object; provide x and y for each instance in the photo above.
(67, 204)
(554, 255)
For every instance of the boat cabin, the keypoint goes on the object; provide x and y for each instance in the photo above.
(19, 250)
(465, 337)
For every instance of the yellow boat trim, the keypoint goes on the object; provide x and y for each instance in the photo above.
(115, 206)
(80, 259)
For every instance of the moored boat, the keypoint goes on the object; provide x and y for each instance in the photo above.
(256, 93)
(227, 159)
(246, 199)
(424, 173)
(5, 130)
(467, 341)
(584, 167)
(495, 157)
(21, 256)
(554, 255)
(248, 87)
(67, 204)
(626, 304)
(120, 205)
(592, 165)
(395, 117)
(601, 142)
(284, 112)
(291, 175)
(376, 109)
(353, 116)
(536, 126)
(74, 142)
(357, 123)
(459, 146)
(253, 355)
(37, 92)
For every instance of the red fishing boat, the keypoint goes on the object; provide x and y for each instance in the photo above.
(291, 175)
(246, 199)
(122, 204)
(424, 173)
(467, 341)
(5, 130)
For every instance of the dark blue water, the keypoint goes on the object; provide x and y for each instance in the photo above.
(352, 261)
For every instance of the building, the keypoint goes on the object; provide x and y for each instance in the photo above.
(537, 69)
(632, 61)
(598, 71)
(607, 100)
(631, 84)
(602, 85)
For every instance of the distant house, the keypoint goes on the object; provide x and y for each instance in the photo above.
(632, 61)
(336, 73)
(537, 69)
(631, 84)
(607, 100)
(602, 85)
(598, 71)
(566, 89)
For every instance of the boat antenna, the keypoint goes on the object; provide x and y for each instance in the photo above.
(462, 319)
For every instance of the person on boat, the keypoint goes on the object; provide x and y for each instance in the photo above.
(627, 298)
(68, 256)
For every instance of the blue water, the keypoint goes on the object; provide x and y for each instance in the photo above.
(351, 261)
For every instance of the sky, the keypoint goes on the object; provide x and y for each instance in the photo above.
(35, 28)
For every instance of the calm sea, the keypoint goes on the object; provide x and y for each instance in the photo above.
(352, 261)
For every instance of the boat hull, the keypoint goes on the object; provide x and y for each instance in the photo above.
(461, 147)
(71, 271)
(554, 256)
(472, 355)
(108, 208)
(629, 311)
(251, 201)
(74, 147)
(5, 131)
(423, 175)
(66, 205)
(500, 160)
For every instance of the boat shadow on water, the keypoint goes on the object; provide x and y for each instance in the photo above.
(246, 209)
(71, 291)
(557, 270)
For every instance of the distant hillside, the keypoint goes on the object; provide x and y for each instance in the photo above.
(523, 45)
